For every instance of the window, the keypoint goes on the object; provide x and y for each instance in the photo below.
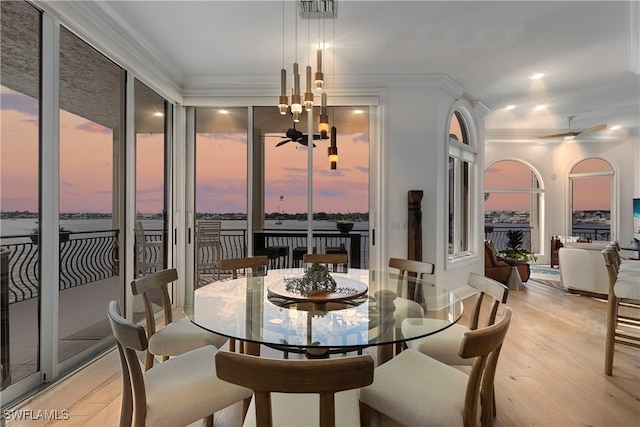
(19, 131)
(591, 183)
(512, 201)
(462, 159)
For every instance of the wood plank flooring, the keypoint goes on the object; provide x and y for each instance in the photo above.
(550, 373)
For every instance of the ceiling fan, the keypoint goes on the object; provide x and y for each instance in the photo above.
(573, 134)
(295, 135)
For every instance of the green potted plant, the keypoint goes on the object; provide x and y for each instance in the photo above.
(514, 253)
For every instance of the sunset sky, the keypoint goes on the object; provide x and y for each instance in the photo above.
(86, 170)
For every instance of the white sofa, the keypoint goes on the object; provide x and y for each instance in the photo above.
(582, 268)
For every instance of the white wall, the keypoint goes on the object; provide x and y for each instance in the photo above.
(417, 110)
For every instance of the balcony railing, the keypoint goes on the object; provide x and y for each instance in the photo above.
(87, 257)
(84, 258)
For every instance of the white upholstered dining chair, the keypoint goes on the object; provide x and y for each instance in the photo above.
(410, 296)
(416, 390)
(177, 336)
(177, 392)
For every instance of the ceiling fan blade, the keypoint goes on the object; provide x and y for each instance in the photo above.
(559, 135)
(274, 136)
(595, 128)
(305, 141)
(282, 142)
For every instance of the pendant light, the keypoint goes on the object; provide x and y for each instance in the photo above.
(333, 149)
(283, 101)
(323, 124)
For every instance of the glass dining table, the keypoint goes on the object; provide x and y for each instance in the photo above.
(367, 308)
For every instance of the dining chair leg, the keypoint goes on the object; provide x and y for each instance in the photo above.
(612, 318)
(208, 422)
(232, 345)
(365, 415)
(245, 407)
(148, 363)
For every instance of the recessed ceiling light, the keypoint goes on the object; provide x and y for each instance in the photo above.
(537, 76)
(158, 114)
(223, 111)
(358, 111)
(616, 127)
(510, 107)
(540, 107)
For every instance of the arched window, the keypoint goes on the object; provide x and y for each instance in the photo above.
(462, 158)
(512, 201)
(590, 186)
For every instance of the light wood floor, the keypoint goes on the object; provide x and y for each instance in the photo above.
(550, 373)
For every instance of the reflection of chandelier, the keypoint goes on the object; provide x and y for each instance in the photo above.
(309, 9)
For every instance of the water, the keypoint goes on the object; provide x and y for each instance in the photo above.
(23, 226)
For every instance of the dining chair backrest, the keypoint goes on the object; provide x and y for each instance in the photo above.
(265, 376)
(130, 338)
(333, 260)
(251, 263)
(408, 266)
(484, 345)
(148, 287)
(486, 287)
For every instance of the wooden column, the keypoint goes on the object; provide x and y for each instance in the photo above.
(414, 227)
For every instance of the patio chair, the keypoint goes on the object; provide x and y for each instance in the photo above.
(149, 253)
(208, 250)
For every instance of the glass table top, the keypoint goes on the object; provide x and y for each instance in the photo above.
(259, 310)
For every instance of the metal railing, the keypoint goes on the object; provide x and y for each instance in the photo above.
(84, 258)
(498, 235)
(87, 257)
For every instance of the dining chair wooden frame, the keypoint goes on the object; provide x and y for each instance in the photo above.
(179, 392)
(189, 335)
(443, 346)
(412, 291)
(413, 387)
(324, 377)
(327, 259)
(621, 328)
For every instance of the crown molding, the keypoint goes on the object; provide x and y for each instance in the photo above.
(531, 137)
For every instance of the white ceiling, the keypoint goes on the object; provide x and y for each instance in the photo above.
(587, 49)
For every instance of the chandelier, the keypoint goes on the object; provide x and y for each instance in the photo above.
(318, 10)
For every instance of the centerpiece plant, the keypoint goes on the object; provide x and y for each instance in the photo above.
(315, 281)
(514, 250)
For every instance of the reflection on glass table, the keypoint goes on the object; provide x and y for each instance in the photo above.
(259, 311)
